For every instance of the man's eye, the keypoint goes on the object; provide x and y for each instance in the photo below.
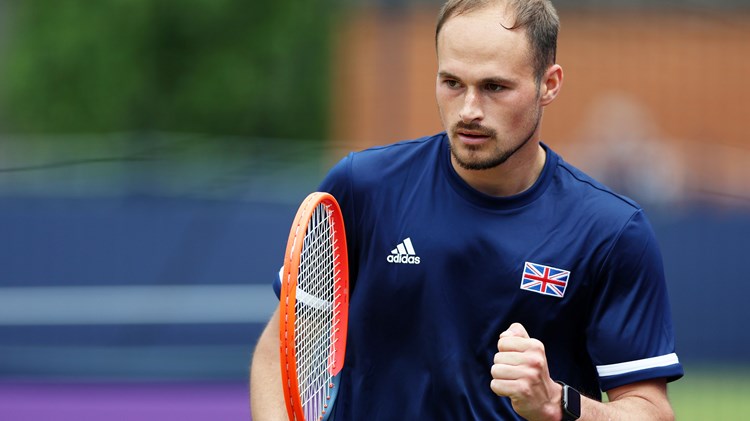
(493, 87)
(452, 83)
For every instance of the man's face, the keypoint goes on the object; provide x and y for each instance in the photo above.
(486, 90)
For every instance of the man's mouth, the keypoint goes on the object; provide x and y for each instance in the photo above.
(472, 137)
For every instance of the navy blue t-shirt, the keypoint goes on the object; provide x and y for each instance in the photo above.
(438, 270)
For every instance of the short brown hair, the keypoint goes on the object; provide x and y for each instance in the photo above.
(538, 17)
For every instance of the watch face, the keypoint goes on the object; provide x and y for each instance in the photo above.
(571, 403)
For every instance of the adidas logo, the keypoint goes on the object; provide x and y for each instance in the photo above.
(404, 253)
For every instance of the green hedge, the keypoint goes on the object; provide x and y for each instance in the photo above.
(235, 67)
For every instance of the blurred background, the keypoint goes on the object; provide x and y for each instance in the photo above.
(153, 153)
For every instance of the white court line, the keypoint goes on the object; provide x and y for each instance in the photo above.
(136, 304)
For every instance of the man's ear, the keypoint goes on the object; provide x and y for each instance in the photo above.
(551, 84)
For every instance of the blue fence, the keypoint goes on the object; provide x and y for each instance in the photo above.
(218, 257)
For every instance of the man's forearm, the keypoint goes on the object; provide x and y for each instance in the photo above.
(266, 396)
(647, 402)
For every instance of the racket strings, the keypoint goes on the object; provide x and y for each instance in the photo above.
(316, 310)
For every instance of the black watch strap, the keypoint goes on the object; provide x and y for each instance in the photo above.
(571, 403)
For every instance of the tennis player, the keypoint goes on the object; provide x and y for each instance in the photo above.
(490, 279)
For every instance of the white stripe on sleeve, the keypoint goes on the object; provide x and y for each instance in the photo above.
(637, 365)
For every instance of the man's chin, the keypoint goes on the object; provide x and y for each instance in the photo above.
(476, 162)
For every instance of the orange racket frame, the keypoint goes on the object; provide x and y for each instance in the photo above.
(288, 299)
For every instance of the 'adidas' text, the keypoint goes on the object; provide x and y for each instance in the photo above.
(403, 258)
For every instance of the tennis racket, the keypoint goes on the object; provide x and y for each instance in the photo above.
(314, 308)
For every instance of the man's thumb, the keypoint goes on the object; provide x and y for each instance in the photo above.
(515, 329)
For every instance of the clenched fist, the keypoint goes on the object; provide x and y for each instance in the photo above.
(520, 372)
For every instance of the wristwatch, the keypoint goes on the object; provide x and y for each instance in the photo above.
(571, 403)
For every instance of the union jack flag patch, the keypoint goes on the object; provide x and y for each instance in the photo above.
(544, 279)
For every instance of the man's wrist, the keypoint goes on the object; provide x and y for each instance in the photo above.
(554, 407)
(570, 403)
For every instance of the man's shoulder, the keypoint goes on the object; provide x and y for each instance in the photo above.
(402, 148)
(395, 157)
(382, 166)
(587, 192)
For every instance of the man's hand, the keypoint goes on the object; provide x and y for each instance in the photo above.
(520, 372)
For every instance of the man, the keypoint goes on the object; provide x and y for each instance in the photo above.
(525, 281)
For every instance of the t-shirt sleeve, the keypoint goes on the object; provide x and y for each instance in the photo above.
(339, 184)
(630, 335)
